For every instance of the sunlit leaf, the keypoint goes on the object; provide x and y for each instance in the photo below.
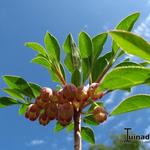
(99, 65)
(35, 89)
(72, 59)
(67, 44)
(52, 46)
(125, 77)
(126, 24)
(23, 109)
(70, 127)
(132, 103)
(14, 93)
(41, 61)
(7, 101)
(58, 127)
(127, 63)
(98, 43)
(131, 43)
(85, 45)
(89, 119)
(76, 78)
(36, 46)
(68, 63)
(85, 69)
(88, 135)
(16, 82)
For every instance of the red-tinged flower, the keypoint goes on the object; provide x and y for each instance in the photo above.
(100, 117)
(46, 93)
(41, 104)
(98, 109)
(70, 92)
(97, 95)
(61, 99)
(54, 97)
(33, 112)
(51, 110)
(82, 94)
(100, 114)
(92, 91)
(44, 119)
(65, 112)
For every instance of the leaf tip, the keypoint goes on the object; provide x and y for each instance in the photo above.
(26, 44)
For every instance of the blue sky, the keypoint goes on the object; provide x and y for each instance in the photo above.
(22, 21)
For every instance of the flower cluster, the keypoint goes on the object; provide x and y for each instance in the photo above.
(61, 104)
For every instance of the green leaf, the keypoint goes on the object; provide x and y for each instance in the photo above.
(132, 103)
(50, 65)
(76, 57)
(85, 69)
(23, 109)
(62, 70)
(76, 78)
(98, 43)
(126, 89)
(89, 119)
(127, 63)
(145, 64)
(72, 60)
(88, 135)
(68, 63)
(37, 47)
(16, 82)
(85, 45)
(125, 77)
(53, 75)
(126, 24)
(70, 127)
(131, 43)
(35, 89)
(7, 101)
(58, 127)
(14, 93)
(52, 46)
(67, 44)
(41, 61)
(99, 65)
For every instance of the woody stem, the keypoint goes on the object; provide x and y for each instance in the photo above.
(77, 130)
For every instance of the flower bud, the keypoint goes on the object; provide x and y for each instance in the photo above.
(70, 92)
(98, 109)
(65, 113)
(41, 104)
(100, 117)
(61, 99)
(54, 97)
(51, 110)
(82, 94)
(92, 91)
(33, 112)
(97, 95)
(100, 114)
(43, 119)
(46, 93)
